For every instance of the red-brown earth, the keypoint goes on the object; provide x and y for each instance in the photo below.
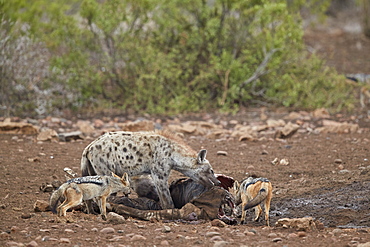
(328, 178)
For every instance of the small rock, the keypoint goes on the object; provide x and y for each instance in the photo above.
(338, 161)
(223, 153)
(64, 240)
(275, 161)
(344, 171)
(217, 222)
(220, 243)
(293, 235)
(138, 237)
(216, 238)
(165, 243)
(14, 229)
(272, 235)
(277, 240)
(107, 230)
(337, 231)
(166, 229)
(302, 234)
(264, 152)
(367, 244)
(115, 218)
(13, 244)
(69, 230)
(26, 216)
(94, 229)
(284, 162)
(41, 206)
(32, 244)
(116, 238)
(212, 234)
(340, 167)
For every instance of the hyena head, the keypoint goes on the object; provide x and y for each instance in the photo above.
(202, 172)
(122, 183)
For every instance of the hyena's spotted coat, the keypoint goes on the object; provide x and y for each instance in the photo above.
(146, 152)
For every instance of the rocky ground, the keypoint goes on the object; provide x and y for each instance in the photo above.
(326, 176)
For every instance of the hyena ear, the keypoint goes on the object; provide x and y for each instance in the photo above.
(202, 156)
(114, 175)
(125, 176)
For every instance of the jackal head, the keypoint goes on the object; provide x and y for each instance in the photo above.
(124, 183)
(203, 172)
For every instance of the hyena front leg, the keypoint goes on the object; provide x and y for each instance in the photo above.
(161, 184)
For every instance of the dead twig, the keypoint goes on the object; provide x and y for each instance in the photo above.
(261, 69)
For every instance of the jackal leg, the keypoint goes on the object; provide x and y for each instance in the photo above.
(244, 213)
(258, 212)
(267, 210)
(103, 207)
(72, 199)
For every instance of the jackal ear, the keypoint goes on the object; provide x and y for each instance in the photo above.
(202, 156)
(125, 176)
(236, 185)
(114, 175)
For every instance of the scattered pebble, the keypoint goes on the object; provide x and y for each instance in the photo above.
(272, 235)
(338, 161)
(138, 237)
(293, 235)
(220, 243)
(224, 153)
(216, 238)
(211, 234)
(277, 240)
(115, 218)
(107, 230)
(64, 240)
(69, 230)
(165, 243)
(302, 234)
(32, 244)
(166, 229)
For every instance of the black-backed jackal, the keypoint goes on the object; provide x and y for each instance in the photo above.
(251, 192)
(80, 189)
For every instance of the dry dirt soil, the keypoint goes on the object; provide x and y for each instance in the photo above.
(328, 178)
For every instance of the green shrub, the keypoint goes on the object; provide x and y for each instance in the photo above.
(174, 56)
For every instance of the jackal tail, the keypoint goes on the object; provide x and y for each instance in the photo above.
(58, 195)
(55, 198)
(261, 196)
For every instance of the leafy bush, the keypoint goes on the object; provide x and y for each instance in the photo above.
(171, 56)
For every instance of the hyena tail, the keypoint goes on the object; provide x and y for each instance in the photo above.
(86, 167)
(55, 198)
(261, 196)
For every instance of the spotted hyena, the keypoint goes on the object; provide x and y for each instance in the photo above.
(155, 153)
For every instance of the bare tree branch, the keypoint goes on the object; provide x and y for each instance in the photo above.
(261, 69)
